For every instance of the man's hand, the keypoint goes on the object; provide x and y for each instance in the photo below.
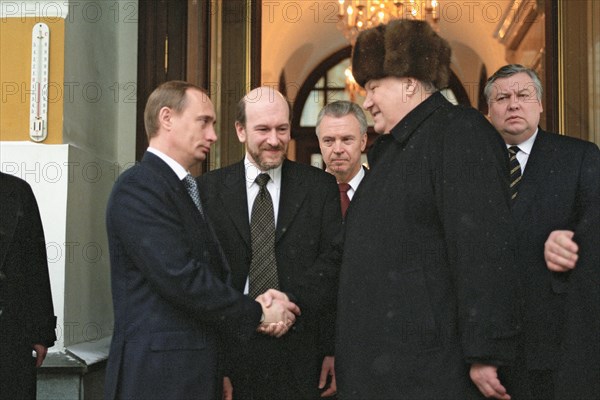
(328, 369)
(227, 389)
(279, 313)
(270, 295)
(486, 379)
(560, 251)
(41, 352)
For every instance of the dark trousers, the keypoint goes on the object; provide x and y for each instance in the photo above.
(524, 384)
(17, 372)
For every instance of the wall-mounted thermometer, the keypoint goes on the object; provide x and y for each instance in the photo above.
(40, 60)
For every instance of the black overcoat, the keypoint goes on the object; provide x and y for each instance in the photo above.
(427, 282)
(26, 310)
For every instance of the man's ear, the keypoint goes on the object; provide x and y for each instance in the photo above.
(363, 142)
(241, 132)
(411, 86)
(164, 117)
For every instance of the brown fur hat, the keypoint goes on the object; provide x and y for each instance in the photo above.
(402, 48)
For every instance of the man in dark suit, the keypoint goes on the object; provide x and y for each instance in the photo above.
(427, 280)
(305, 217)
(342, 132)
(170, 282)
(555, 184)
(27, 320)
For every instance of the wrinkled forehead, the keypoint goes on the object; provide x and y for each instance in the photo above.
(518, 83)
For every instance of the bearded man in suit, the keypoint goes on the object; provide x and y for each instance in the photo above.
(304, 214)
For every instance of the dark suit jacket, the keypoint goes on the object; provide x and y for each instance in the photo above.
(170, 290)
(26, 311)
(560, 189)
(427, 279)
(308, 220)
(366, 170)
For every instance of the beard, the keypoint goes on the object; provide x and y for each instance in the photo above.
(265, 162)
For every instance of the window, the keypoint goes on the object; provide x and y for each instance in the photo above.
(330, 87)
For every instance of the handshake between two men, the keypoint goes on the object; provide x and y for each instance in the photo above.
(279, 313)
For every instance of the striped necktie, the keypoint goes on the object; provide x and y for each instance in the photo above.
(515, 172)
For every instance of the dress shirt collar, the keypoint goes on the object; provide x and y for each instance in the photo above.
(527, 145)
(355, 181)
(175, 166)
(252, 172)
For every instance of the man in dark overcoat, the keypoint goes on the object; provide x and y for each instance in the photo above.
(27, 320)
(427, 282)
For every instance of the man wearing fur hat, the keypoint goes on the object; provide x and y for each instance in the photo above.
(428, 283)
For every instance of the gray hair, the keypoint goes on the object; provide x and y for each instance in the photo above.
(508, 71)
(339, 109)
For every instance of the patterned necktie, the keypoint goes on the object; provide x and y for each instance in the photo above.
(344, 199)
(515, 172)
(263, 267)
(192, 188)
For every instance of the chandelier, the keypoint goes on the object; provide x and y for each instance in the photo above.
(357, 15)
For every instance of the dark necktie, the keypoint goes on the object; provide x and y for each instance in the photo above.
(263, 267)
(192, 188)
(515, 172)
(344, 199)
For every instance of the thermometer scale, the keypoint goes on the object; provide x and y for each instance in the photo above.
(40, 54)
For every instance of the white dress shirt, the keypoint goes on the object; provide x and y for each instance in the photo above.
(175, 166)
(524, 150)
(354, 182)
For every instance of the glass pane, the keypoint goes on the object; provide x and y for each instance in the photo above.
(336, 76)
(336, 95)
(316, 160)
(359, 99)
(314, 103)
(335, 91)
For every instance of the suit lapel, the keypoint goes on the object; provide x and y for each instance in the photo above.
(543, 154)
(170, 177)
(293, 192)
(235, 200)
(202, 225)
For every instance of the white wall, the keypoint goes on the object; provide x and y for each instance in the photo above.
(99, 125)
(101, 72)
(45, 168)
(72, 181)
